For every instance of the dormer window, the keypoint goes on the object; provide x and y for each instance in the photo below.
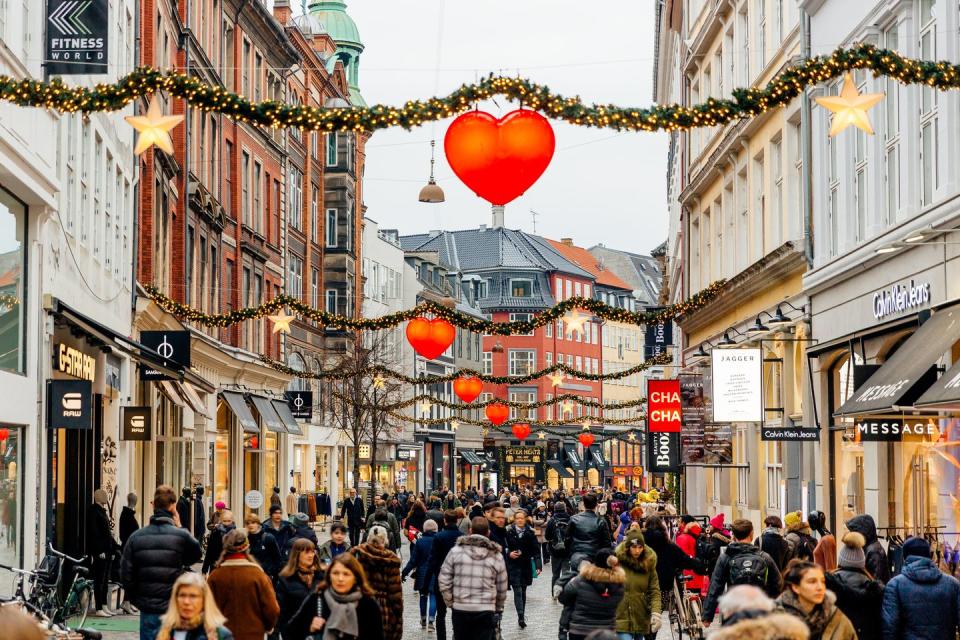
(521, 288)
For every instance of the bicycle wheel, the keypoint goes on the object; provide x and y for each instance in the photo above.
(675, 614)
(695, 628)
(84, 596)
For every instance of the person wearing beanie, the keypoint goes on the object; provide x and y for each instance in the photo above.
(556, 534)
(639, 612)
(877, 563)
(594, 594)
(382, 568)
(242, 590)
(921, 602)
(101, 547)
(300, 522)
(799, 537)
(423, 582)
(859, 594)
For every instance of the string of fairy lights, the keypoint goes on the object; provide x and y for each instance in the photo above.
(426, 400)
(744, 102)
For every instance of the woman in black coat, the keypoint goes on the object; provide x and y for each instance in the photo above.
(297, 580)
(346, 588)
(859, 594)
(417, 516)
(523, 552)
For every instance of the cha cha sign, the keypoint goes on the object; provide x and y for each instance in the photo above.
(737, 385)
(900, 298)
(663, 406)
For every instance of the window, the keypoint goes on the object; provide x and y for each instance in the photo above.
(257, 211)
(741, 457)
(488, 363)
(586, 290)
(559, 328)
(315, 144)
(331, 229)
(549, 407)
(331, 149)
(548, 359)
(314, 213)
(295, 282)
(331, 297)
(577, 289)
(569, 289)
(761, 33)
(928, 106)
(743, 28)
(228, 178)
(521, 288)
(522, 317)
(578, 363)
(774, 475)
(860, 176)
(833, 184)
(776, 209)
(891, 105)
(245, 66)
(245, 187)
(13, 221)
(523, 413)
(296, 199)
(522, 362)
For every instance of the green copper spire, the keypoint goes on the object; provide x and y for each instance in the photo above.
(341, 27)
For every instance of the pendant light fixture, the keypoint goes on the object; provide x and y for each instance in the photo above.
(432, 192)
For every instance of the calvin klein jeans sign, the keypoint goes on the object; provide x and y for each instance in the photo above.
(663, 452)
(879, 429)
(69, 404)
(77, 37)
(900, 298)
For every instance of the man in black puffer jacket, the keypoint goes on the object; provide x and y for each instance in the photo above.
(153, 558)
(587, 533)
(877, 563)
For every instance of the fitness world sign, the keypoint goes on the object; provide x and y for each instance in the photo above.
(900, 298)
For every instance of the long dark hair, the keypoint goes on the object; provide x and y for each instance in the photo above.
(794, 572)
(293, 562)
(350, 562)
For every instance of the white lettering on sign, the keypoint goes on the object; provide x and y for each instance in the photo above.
(880, 391)
(900, 298)
(953, 382)
(665, 396)
(663, 449)
(76, 363)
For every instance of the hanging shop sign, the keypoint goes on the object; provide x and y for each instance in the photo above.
(253, 499)
(137, 423)
(173, 347)
(69, 404)
(717, 443)
(794, 433)
(627, 471)
(663, 406)
(737, 385)
(74, 362)
(663, 452)
(522, 455)
(658, 337)
(77, 37)
(900, 298)
(301, 404)
(693, 413)
(883, 429)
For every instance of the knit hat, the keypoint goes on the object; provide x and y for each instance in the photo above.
(793, 518)
(717, 521)
(559, 507)
(429, 525)
(916, 547)
(299, 519)
(634, 536)
(851, 552)
(220, 505)
(605, 558)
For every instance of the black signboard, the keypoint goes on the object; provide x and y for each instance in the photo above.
(173, 347)
(693, 412)
(522, 455)
(883, 429)
(69, 404)
(663, 452)
(718, 443)
(301, 404)
(137, 423)
(77, 37)
(794, 433)
(657, 337)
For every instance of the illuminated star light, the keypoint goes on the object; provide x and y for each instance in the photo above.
(379, 382)
(281, 322)
(154, 128)
(425, 405)
(454, 424)
(574, 321)
(632, 436)
(566, 406)
(586, 425)
(556, 378)
(850, 107)
(541, 435)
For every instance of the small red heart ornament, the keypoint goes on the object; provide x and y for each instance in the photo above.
(497, 413)
(521, 430)
(430, 338)
(586, 439)
(499, 159)
(468, 388)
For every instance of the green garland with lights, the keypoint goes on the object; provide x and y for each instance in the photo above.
(745, 101)
(573, 425)
(458, 406)
(437, 310)
(338, 374)
(9, 301)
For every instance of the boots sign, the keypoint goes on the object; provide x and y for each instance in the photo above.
(77, 37)
(663, 406)
(663, 452)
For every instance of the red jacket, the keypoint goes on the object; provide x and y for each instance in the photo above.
(687, 540)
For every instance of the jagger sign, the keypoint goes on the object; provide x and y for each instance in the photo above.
(77, 37)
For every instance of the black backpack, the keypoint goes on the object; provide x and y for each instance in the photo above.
(707, 552)
(558, 544)
(748, 568)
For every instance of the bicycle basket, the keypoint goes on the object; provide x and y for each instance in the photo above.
(48, 571)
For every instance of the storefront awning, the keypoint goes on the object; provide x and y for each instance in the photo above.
(470, 457)
(193, 399)
(283, 410)
(910, 371)
(557, 466)
(595, 458)
(168, 389)
(574, 461)
(268, 415)
(240, 409)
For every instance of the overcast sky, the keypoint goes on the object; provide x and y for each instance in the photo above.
(600, 187)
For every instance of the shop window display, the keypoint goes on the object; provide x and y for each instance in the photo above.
(13, 215)
(11, 490)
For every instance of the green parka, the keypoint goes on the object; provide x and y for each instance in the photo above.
(641, 599)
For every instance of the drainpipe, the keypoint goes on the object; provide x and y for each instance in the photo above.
(806, 196)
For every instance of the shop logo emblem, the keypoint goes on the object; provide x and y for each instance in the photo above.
(67, 18)
(137, 422)
(165, 349)
(298, 401)
(72, 405)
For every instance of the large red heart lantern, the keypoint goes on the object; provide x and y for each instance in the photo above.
(497, 413)
(4, 434)
(430, 338)
(521, 430)
(586, 439)
(468, 388)
(499, 159)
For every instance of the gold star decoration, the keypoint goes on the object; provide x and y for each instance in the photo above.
(154, 128)
(850, 107)
(454, 424)
(574, 321)
(281, 322)
(379, 382)
(556, 378)
(485, 431)
(566, 406)
(542, 435)
(425, 405)
(586, 425)
(631, 436)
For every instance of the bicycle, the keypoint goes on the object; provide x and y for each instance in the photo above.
(33, 604)
(685, 617)
(62, 603)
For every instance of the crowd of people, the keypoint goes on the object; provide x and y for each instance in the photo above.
(615, 560)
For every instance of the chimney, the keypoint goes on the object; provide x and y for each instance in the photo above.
(567, 242)
(281, 11)
(497, 217)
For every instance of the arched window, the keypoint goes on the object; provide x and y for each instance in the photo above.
(296, 362)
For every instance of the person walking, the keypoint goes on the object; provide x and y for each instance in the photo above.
(386, 520)
(671, 559)
(523, 561)
(275, 499)
(473, 583)
(859, 595)
(336, 545)
(594, 594)
(587, 532)
(921, 602)
(747, 613)
(556, 535)
(263, 546)
(353, 511)
(193, 613)
(415, 520)
(423, 582)
(301, 529)
(343, 607)
(153, 558)
(877, 563)
(742, 563)
(281, 530)
(100, 547)
(805, 596)
(382, 568)
(443, 542)
(215, 541)
(799, 537)
(300, 577)
(243, 590)
(687, 540)
(638, 614)
(773, 543)
(539, 519)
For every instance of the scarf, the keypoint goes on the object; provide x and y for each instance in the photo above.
(306, 576)
(182, 624)
(342, 621)
(816, 619)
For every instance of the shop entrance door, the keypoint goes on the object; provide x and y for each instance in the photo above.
(75, 474)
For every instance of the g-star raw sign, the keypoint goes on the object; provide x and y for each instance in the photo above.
(663, 406)
(880, 429)
(137, 423)
(301, 404)
(77, 37)
(69, 404)
(663, 452)
(74, 362)
(173, 347)
(900, 298)
(737, 385)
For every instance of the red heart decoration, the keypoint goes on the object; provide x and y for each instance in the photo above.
(468, 388)
(499, 159)
(586, 439)
(4, 434)
(497, 413)
(521, 430)
(430, 338)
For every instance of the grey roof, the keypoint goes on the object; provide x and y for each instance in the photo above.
(640, 271)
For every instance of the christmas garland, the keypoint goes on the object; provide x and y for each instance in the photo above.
(379, 370)
(9, 301)
(746, 102)
(564, 397)
(572, 424)
(437, 310)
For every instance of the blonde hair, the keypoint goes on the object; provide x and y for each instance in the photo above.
(19, 625)
(211, 618)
